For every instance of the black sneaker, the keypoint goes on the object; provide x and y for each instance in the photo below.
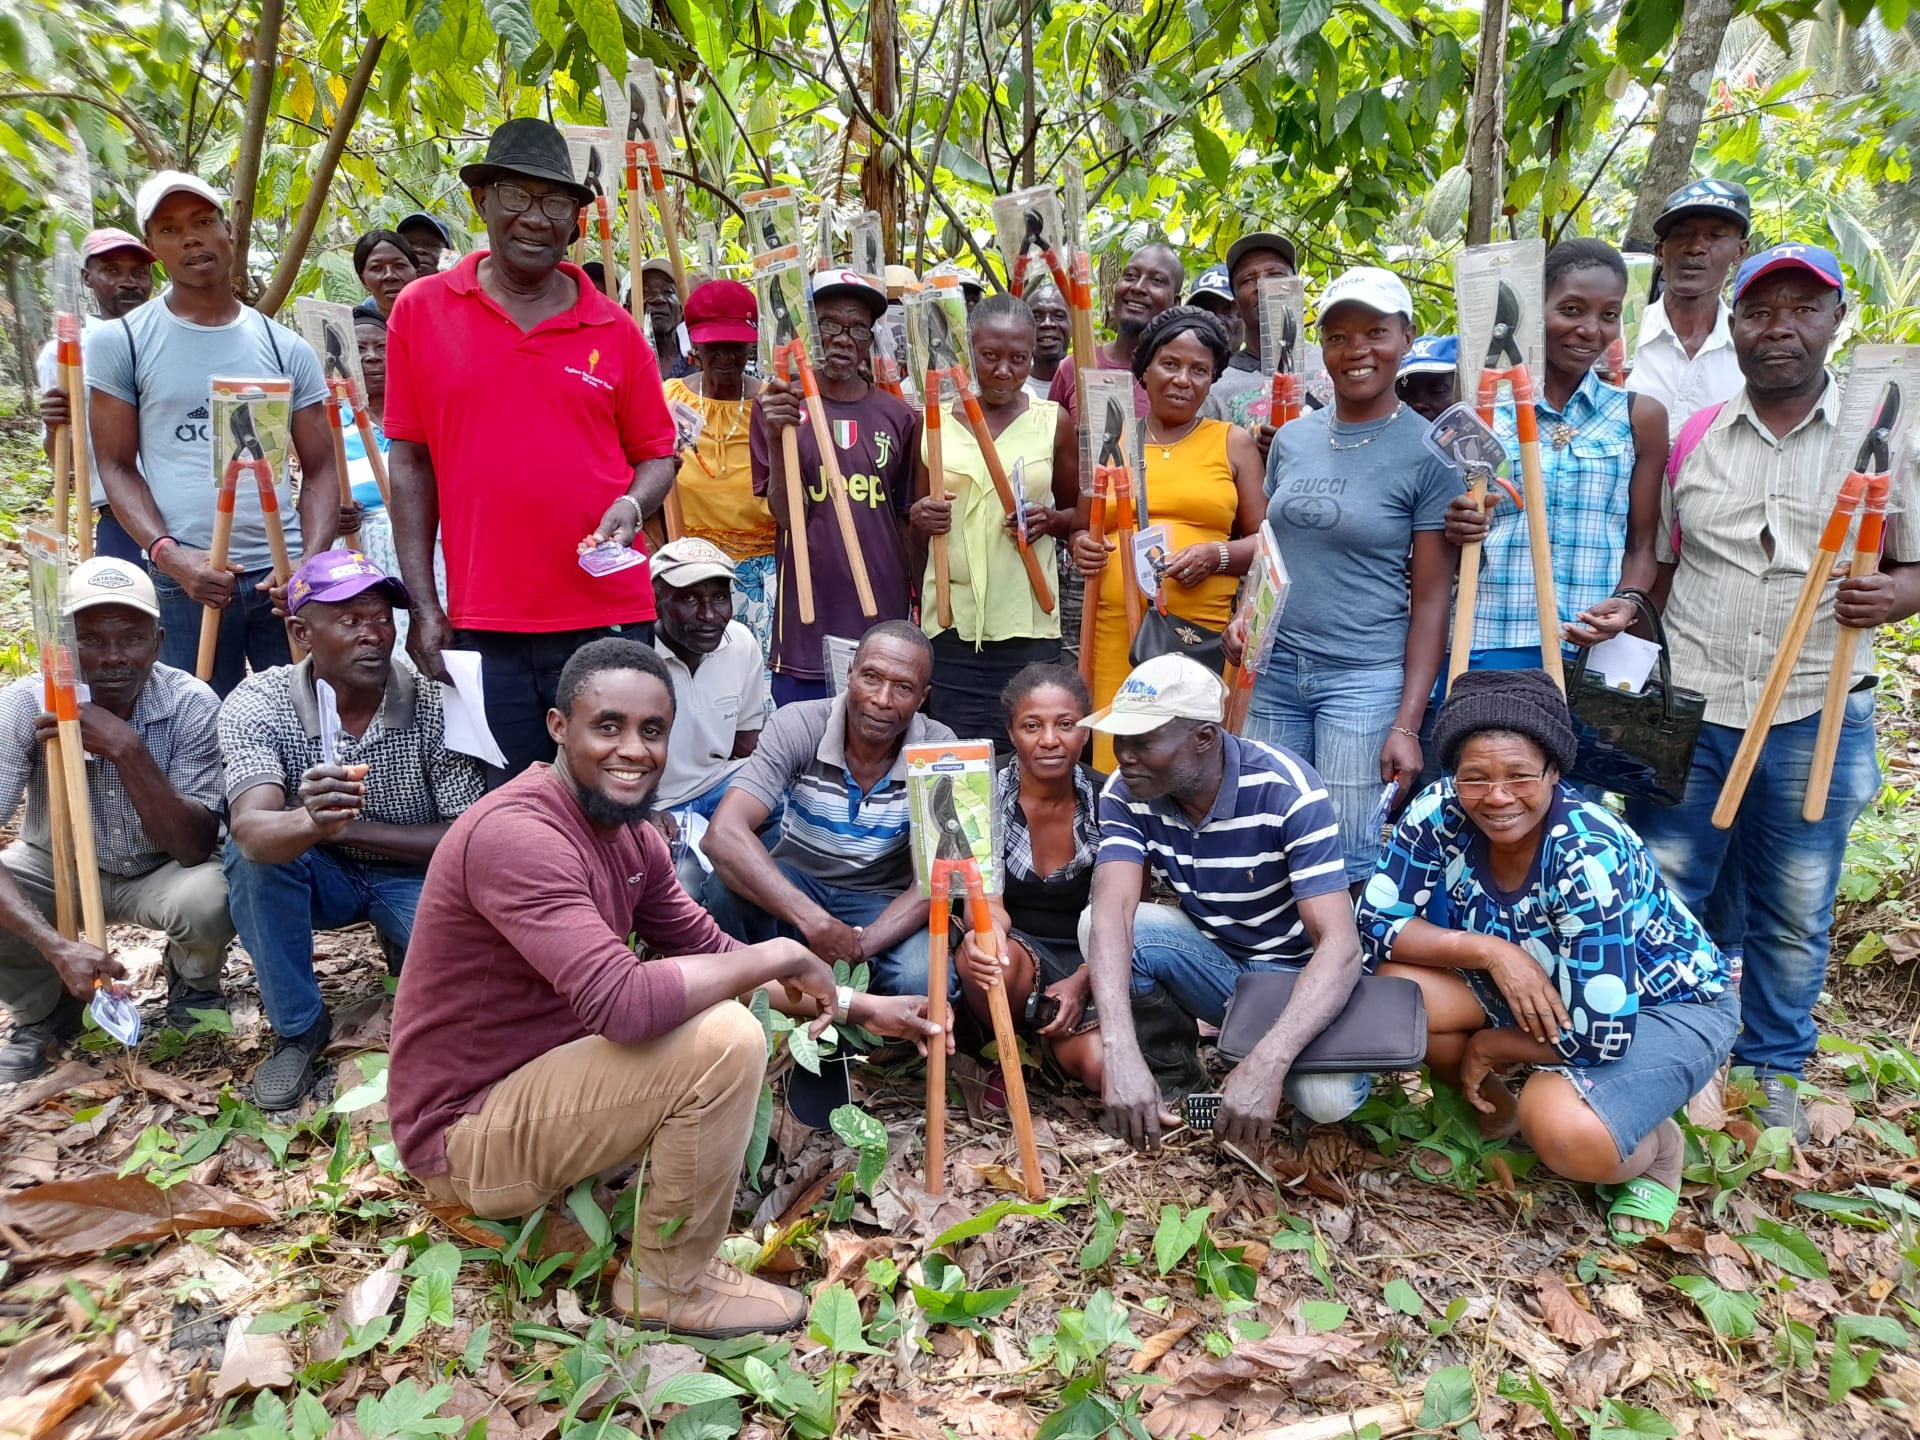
(285, 1077)
(183, 1000)
(1783, 1107)
(26, 1052)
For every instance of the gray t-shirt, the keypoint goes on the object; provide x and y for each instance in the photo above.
(1345, 519)
(175, 358)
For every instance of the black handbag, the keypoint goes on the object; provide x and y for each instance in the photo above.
(1636, 745)
(1383, 1027)
(1170, 635)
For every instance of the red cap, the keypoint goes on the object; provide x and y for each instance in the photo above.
(103, 242)
(722, 310)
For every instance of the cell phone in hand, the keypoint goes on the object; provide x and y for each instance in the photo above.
(1198, 1111)
(1042, 1008)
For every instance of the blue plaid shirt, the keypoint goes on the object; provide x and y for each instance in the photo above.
(1587, 482)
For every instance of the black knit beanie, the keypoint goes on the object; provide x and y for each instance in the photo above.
(1527, 702)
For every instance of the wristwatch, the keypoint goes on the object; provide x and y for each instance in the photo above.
(843, 1004)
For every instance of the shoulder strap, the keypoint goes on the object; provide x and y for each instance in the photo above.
(273, 342)
(133, 361)
(1684, 444)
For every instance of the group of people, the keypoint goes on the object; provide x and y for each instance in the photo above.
(695, 805)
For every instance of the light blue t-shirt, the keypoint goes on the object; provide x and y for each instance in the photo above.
(1345, 519)
(165, 375)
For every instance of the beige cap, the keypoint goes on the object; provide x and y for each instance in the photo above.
(900, 280)
(1167, 687)
(688, 561)
(105, 580)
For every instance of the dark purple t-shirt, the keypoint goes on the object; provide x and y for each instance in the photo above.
(877, 439)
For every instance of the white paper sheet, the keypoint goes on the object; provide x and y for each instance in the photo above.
(1624, 662)
(466, 708)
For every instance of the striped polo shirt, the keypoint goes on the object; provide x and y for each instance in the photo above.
(834, 831)
(1270, 840)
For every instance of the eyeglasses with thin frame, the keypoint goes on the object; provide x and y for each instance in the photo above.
(516, 201)
(1520, 787)
(832, 330)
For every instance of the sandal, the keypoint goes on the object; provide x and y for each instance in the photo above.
(1639, 1199)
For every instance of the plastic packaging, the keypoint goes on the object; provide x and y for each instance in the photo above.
(952, 814)
(1479, 276)
(1883, 381)
(591, 151)
(327, 326)
(773, 220)
(1031, 230)
(869, 248)
(1109, 432)
(939, 325)
(786, 310)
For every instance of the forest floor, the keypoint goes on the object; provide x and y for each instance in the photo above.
(177, 1263)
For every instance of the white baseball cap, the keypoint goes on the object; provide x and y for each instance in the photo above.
(1167, 687)
(105, 580)
(166, 183)
(1381, 291)
(688, 561)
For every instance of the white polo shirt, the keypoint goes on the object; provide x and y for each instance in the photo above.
(727, 694)
(1684, 383)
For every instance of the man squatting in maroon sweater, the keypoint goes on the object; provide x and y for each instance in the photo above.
(532, 1048)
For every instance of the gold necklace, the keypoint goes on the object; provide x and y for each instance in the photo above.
(1166, 446)
(735, 409)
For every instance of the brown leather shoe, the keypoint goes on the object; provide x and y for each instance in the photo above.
(721, 1304)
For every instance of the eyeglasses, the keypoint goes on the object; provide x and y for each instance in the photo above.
(1520, 787)
(516, 201)
(859, 334)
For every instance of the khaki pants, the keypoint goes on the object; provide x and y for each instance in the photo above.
(189, 903)
(686, 1099)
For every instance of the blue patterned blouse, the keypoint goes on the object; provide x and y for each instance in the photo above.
(1594, 912)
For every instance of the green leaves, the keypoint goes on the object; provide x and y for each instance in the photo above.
(1786, 1246)
(835, 1321)
(869, 1137)
(1617, 1420)
(1322, 1315)
(1211, 151)
(406, 1412)
(1853, 1363)
(430, 1297)
(988, 1218)
(599, 20)
(1449, 1399)
(1402, 1298)
(945, 1299)
(1730, 1315)
(512, 21)
(1178, 1233)
(1106, 1232)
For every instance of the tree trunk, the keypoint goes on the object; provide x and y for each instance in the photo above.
(22, 355)
(295, 249)
(1029, 123)
(253, 135)
(880, 171)
(1703, 27)
(1486, 139)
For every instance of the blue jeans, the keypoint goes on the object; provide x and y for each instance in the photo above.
(1787, 871)
(276, 909)
(520, 678)
(1170, 951)
(899, 971)
(250, 633)
(1336, 720)
(110, 537)
(791, 690)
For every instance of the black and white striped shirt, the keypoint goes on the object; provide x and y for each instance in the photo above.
(1270, 840)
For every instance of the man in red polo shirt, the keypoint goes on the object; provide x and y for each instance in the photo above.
(527, 423)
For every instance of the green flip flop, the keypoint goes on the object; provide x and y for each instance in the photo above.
(1639, 1199)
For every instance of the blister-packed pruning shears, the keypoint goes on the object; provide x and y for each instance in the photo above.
(1036, 239)
(953, 857)
(1286, 377)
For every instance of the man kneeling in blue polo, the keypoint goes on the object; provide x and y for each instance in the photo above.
(1246, 836)
(320, 842)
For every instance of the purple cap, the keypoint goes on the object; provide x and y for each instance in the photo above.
(1813, 258)
(336, 575)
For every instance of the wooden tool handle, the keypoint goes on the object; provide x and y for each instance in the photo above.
(62, 478)
(74, 379)
(636, 232)
(1467, 598)
(1003, 487)
(1846, 644)
(837, 491)
(1539, 542)
(669, 227)
(939, 918)
(797, 523)
(60, 825)
(609, 277)
(216, 560)
(337, 433)
(1734, 789)
(1008, 1045)
(937, 482)
(1090, 586)
(670, 513)
(86, 864)
(1136, 603)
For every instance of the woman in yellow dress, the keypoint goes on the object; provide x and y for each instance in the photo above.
(1203, 482)
(715, 484)
(999, 626)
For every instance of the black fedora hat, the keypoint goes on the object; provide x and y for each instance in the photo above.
(529, 147)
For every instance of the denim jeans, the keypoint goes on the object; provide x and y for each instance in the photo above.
(276, 909)
(250, 633)
(1787, 870)
(791, 690)
(1170, 951)
(110, 537)
(520, 677)
(899, 971)
(1336, 720)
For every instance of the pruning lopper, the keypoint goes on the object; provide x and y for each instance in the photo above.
(1036, 239)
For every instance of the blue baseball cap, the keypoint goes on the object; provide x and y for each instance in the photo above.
(1213, 283)
(1431, 355)
(1815, 259)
